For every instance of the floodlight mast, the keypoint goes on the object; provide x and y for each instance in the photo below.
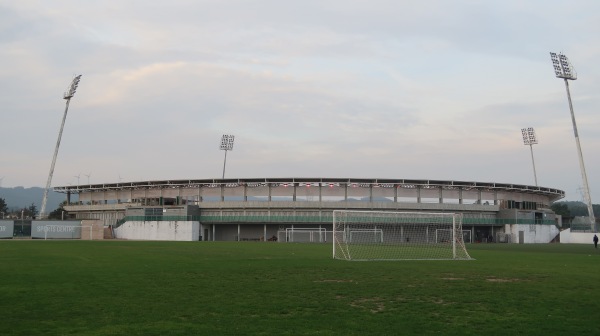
(530, 140)
(226, 145)
(67, 96)
(564, 69)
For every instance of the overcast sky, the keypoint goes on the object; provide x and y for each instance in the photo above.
(377, 89)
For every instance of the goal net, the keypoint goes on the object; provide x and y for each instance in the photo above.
(442, 235)
(366, 236)
(303, 235)
(385, 235)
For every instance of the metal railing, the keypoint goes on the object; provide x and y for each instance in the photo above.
(323, 219)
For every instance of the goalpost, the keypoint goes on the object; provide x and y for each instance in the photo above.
(386, 235)
(302, 235)
(67, 231)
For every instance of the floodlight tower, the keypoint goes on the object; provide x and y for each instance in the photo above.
(530, 139)
(67, 96)
(226, 145)
(564, 69)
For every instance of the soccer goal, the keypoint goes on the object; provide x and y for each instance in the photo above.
(386, 235)
(67, 232)
(302, 235)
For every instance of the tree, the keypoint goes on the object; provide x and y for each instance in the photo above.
(59, 213)
(561, 208)
(3, 207)
(578, 209)
(31, 211)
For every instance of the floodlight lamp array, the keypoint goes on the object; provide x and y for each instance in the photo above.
(72, 88)
(529, 137)
(227, 142)
(562, 67)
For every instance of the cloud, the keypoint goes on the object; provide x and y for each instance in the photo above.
(418, 89)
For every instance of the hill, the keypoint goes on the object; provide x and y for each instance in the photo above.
(20, 197)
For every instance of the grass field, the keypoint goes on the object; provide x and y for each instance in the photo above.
(221, 288)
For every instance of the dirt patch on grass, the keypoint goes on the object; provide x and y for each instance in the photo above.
(503, 280)
(453, 279)
(374, 305)
(334, 280)
(441, 302)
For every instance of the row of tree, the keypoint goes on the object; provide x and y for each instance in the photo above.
(573, 209)
(30, 212)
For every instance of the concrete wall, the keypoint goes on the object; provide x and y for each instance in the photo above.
(568, 237)
(97, 228)
(531, 233)
(6, 228)
(164, 230)
(52, 229)
(226, 232)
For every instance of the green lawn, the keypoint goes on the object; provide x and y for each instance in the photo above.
(222, 288)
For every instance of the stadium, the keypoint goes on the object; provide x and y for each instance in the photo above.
(262, 209)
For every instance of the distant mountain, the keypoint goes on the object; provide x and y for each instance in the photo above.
(19, 198)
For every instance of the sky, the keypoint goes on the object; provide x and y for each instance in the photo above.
(396, 89)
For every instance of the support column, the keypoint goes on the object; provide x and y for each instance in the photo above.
(346, 192)
(320, 192)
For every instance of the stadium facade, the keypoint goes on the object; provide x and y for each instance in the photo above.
(262, 208)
